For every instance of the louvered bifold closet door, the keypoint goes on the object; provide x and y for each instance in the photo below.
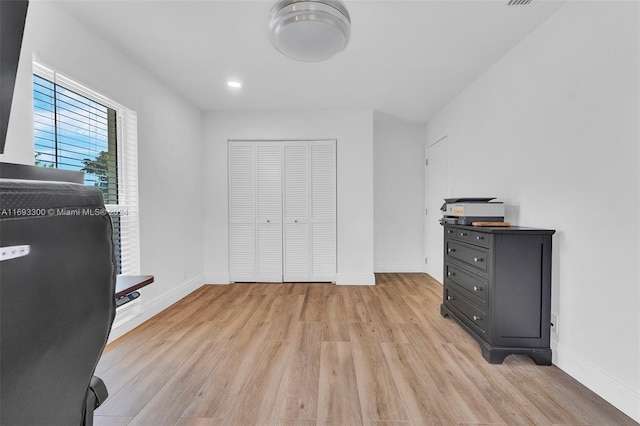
(269, 211)
(323, 210)
(282, 211)
(242, 212)
(297, 255)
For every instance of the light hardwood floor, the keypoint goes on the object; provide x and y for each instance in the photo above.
(320, 354)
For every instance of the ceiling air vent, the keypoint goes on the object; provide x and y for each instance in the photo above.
(518, 2)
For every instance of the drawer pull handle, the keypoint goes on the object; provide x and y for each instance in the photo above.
(451, 250)
(463, 234)
(476, 318)
(449, 231)
(450, 298)
(477, 259)
(476, 288)
(268, 221)
(451, 274)
(479, 238)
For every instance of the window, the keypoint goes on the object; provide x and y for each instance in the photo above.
(78, 129)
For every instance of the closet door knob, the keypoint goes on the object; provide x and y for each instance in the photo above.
(476, 288)
(477, 259)
(450, 298)
(476, 318)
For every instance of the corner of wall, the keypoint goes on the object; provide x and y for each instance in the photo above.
(153, 307)
(355, 279)
(602, 383)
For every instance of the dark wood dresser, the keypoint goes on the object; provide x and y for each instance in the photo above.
(497, 285)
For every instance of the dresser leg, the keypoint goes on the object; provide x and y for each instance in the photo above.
(542, 357)
(497, 355)
(494, 356)
(444, 311)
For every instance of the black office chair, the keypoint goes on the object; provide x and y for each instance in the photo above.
(57, 304)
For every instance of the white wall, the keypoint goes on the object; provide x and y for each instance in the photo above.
(552, 130)
(170, 145)
(353, 130)
(398, 183)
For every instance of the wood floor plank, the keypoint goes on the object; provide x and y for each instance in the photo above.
(254, 402)
(285, 319)
(467, 403)
(379, 397)
(565, 406)
(510, 404)
(386, 329)
(423, 401)
(217, 394)
(313, 305)
(306, 354)
(167, 405)
(238, 318)
(110, 421)
(137, 393)
(338, 400)
(334, 306)
(301, 396)
(355, 305)
(335, 331)
(132, 365)
(130, 342)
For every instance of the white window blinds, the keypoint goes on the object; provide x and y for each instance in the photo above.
(76, 128)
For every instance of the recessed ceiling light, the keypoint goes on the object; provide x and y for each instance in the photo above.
(234, 84)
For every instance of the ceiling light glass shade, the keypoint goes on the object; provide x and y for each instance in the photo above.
(309, 30)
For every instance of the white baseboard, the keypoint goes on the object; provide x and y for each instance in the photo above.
(341, 279)
(618, 394)
(154, 306)
(216, 279)
(355, 279)
(399, 267)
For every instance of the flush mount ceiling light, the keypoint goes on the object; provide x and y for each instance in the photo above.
(309, 30)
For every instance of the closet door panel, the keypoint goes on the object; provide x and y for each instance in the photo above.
(269, 252)
(269, 182)
(296, 211)
(242, 229)
(296, 252)
(323, 210)
(242, 252)
(296, 181)
(269, 211)
(323, 259)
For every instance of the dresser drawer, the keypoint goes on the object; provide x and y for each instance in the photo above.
(473, 314)
(458, 234)
(475, 257)
(467, 235)
(476, 286)
(480, 239)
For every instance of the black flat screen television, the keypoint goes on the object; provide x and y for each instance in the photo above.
(13, 15)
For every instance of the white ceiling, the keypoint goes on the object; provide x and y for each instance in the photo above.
(406, 58)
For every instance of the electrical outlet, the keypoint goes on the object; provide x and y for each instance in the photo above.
(554, 323)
